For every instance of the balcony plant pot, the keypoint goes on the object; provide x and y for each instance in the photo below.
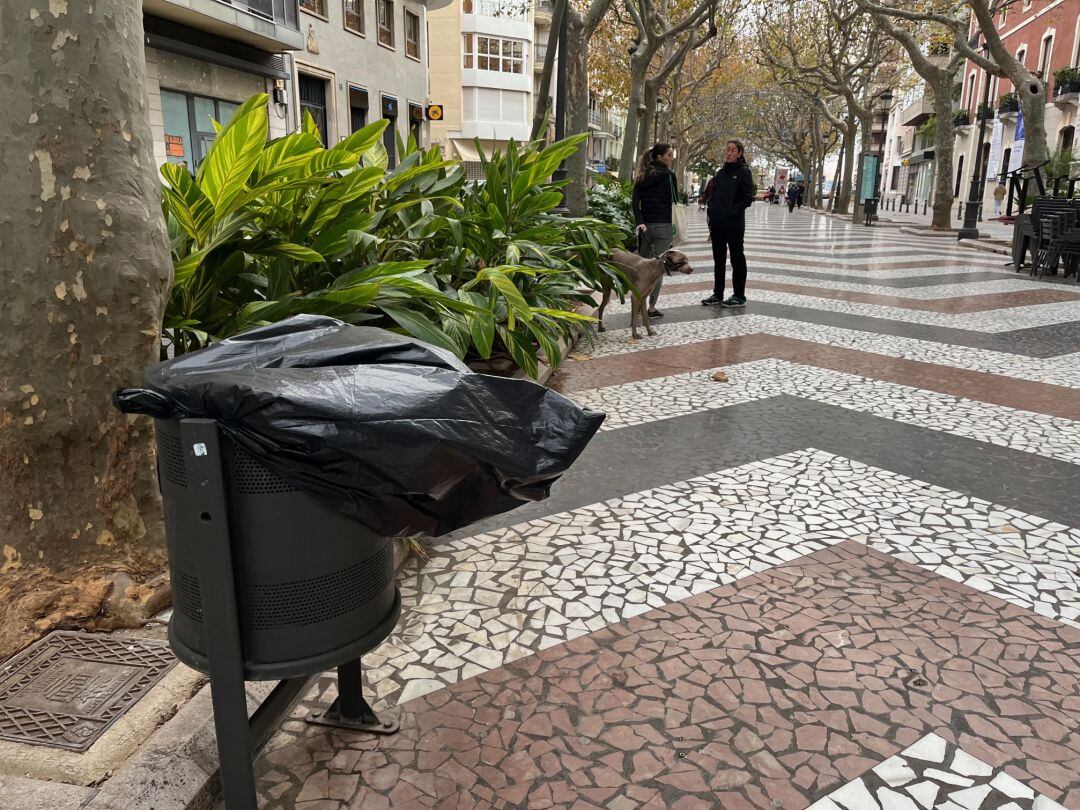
(315, 590)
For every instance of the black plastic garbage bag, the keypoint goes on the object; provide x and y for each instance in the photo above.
(398, 434)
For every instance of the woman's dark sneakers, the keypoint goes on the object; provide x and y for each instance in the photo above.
(713, 301)
(734, 301)
(655, 313)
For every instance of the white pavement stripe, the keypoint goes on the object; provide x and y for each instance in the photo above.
(930, 292)
(992, 321)
(651, 400)
(1062, 370)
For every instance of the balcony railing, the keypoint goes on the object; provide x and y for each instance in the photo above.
(283, 12)
(517, 10)
(268, 25)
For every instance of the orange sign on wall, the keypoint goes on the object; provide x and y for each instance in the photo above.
(174, 146)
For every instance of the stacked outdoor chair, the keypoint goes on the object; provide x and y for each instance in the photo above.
(1027, 232)
(1059, 242)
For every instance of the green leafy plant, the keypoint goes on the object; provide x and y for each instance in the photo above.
(610, 202)
(1008, 102)
(523, 267)
(269, 229)
(1059, 165)
(1066, 80)
(962, 118)
(927, 128)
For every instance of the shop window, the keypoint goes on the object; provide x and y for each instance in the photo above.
(358, 108)
(189, 125)
(313, 101)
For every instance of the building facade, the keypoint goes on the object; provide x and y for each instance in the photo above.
(606, 125)
(204, 58)
(363, 60)
(1045, 36)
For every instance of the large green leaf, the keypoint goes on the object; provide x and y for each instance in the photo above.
(376, 156)
(420, 327)
(232, 157)
(363, 139)
(382, 270)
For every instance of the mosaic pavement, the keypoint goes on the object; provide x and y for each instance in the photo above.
(845, 577)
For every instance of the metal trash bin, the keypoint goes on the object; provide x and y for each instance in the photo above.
(314, 589)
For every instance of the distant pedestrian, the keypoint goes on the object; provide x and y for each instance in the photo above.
(733, 193)
(802, 193)
(999, 197)
(792, 197)
(655, 189)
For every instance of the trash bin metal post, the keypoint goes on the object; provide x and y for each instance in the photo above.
(202, 459)
(350, 710)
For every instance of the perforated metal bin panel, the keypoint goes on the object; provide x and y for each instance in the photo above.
(315, 589)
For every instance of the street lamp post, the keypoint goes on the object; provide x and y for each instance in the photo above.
(886, 99)
(975, 193)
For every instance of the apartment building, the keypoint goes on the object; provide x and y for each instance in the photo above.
(605, 136)
(484, 68)
(1045, 36)
(361, 61)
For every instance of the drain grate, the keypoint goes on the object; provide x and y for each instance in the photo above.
(65, 690)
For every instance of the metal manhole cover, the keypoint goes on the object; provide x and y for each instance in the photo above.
(65, 690)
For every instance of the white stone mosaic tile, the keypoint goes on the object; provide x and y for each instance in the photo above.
(933, 774)
(1063, 370)
(991, 321)
(932, 292)
(491, 598)
(650, 400)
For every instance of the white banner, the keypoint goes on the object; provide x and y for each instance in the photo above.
(1017, 155)
(993, 162)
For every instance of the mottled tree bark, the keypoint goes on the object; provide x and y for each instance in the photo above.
(844, 194)
(577, 102)
(86, 264)
(944, 138)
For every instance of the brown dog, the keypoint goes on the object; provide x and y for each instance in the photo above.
(643, 275)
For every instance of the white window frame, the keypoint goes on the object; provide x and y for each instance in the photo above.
(405, 33)
(388, 19)
(322, 15)
(362, 32)
(471, 55)
(1046, 53)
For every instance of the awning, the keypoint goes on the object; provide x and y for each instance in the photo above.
(466, 151)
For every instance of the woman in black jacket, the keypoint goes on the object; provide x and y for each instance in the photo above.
(655, 189)
(733, 192)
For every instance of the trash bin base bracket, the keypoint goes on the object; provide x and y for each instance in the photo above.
(389, 722)
(350, 710)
